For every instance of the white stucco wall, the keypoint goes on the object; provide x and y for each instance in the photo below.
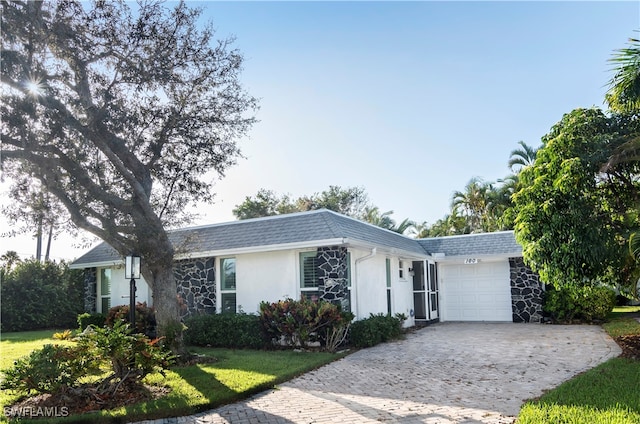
(272, 276)
(268, 276)
(370, 294)
(120, 289)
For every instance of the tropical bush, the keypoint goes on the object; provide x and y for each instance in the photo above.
(298, 323)
(51, 369)
(376, 329)
(584, 303)
(40, 295)
(145, 318)
(233, 331)
(86, 319)
(54, 369)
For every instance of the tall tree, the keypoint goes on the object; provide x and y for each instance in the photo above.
(624, 97)
(372, 215)
(33, 210)
(264, 203)
(9, 259)
(624, 86)
(573, 218)
(351, 201)
(473, 203)
(121, 115)
(522, 157)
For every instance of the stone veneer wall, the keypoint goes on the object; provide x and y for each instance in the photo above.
(90, 289)
(332, 265)
(196, 285)
(526, 292)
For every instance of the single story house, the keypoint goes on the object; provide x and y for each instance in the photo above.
(322, 254)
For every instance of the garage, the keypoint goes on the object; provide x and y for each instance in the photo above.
(477, 291)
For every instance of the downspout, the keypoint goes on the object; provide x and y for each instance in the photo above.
(373, 253)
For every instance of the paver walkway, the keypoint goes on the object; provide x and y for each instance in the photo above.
(444, 373)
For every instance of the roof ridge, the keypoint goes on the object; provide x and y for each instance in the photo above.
(245, 221)
(467, 235)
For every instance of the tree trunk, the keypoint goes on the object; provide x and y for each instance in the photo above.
(48, 251)
(165, 303)
(39, 240)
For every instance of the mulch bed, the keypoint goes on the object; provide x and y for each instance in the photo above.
(85, 399)
(630, 346)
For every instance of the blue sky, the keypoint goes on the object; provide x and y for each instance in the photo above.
(409, 100)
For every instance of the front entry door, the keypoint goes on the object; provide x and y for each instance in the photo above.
(433, 292)
(419, 291)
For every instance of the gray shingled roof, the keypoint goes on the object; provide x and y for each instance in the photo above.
(277, 230)
(499, 243)
(314, 226)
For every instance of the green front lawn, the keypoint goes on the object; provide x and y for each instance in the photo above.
(235, 375)
(607, 394)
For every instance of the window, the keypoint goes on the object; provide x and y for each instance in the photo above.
(388, 266)
(401, 270)
(228, 284)
(346, 303)
(309, 275)
(105, 290)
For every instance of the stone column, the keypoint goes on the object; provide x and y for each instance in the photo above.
(526, 292)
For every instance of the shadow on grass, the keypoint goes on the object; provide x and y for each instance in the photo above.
(219, 394)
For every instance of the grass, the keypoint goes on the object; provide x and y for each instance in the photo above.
(235, 375)
(606, 394)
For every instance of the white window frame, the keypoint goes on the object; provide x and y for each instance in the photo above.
(301, 289)
(402, 272)
(102, 296)
(228, 291)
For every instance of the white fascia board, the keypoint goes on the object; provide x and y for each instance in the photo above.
(266, 248)
(482, 258)
(103, 264)
(401, 253)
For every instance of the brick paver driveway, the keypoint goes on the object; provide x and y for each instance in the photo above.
(444, 373)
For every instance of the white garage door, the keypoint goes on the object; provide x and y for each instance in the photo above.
(477, 292)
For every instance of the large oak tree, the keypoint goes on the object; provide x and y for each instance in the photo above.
(126, 116)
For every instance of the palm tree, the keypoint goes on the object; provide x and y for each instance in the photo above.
(372, 215)
(522, 157)
(624, 96)
(403, 227)
(451, 225)
(473, 202)
(624, 87)
(9, 259)
(420, 230)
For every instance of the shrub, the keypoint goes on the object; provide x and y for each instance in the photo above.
(86, 319)
(40, 295)
(145, 318)
(586, 303)
(50, 369)
(376, 329)
(54, 369)
(300, 322)
(131, 355)
(233, 331)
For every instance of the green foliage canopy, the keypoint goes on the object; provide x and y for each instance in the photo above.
(572, 217)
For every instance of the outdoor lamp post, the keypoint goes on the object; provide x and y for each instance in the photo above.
(132, 272)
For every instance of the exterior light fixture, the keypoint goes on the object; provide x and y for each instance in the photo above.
(132, 272)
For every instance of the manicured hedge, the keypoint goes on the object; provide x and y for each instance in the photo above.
(376, 329)
(234, 331)
(41, 295)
